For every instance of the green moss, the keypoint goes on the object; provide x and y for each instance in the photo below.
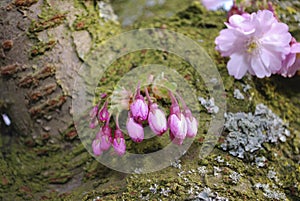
(47, 22)
(42, 47)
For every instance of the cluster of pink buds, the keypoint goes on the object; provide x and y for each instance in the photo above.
(182, 124)
(142, 112)
(104, 140)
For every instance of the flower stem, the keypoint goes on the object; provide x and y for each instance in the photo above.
(148, 97)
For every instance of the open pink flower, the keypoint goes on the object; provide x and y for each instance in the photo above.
(255, 43)
(291, 64)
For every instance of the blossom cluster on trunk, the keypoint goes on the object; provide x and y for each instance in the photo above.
(180, 122)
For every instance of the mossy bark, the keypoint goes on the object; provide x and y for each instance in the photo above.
(42, 156)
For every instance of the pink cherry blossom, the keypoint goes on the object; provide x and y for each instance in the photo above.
(255, 43)
(291, 64)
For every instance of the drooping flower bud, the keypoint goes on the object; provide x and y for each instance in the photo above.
(135, 130)
(156, 117)
(103, 113)
(93, 117)
(139, 108)
(96, 147)
(192, 123)
(119, 142)
(176, 122)
(157, 120)
(105, 135)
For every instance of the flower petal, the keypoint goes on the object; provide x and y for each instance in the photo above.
(237, 65)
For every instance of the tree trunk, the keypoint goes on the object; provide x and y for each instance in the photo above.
(43, 46)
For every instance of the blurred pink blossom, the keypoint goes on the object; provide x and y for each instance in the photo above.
(216, 4)
(291, 64)
(255, 43)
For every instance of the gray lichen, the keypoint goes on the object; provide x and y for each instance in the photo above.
(209, 105)
(238, 95)
(208, 195)
(248, 132)
(235, 177)
(271, 192)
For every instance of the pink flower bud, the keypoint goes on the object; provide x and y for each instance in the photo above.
(119, 143)
(94, 123)
(178, 128)
(157, 120)
(192, 127)
(192, 123)
(139, 108)
(176, 122)
(103, 95)
(105, 140)
(103, 113)
(96, 147)
(135, 130)
(94, 111)
(105, 135)
(156, 117)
